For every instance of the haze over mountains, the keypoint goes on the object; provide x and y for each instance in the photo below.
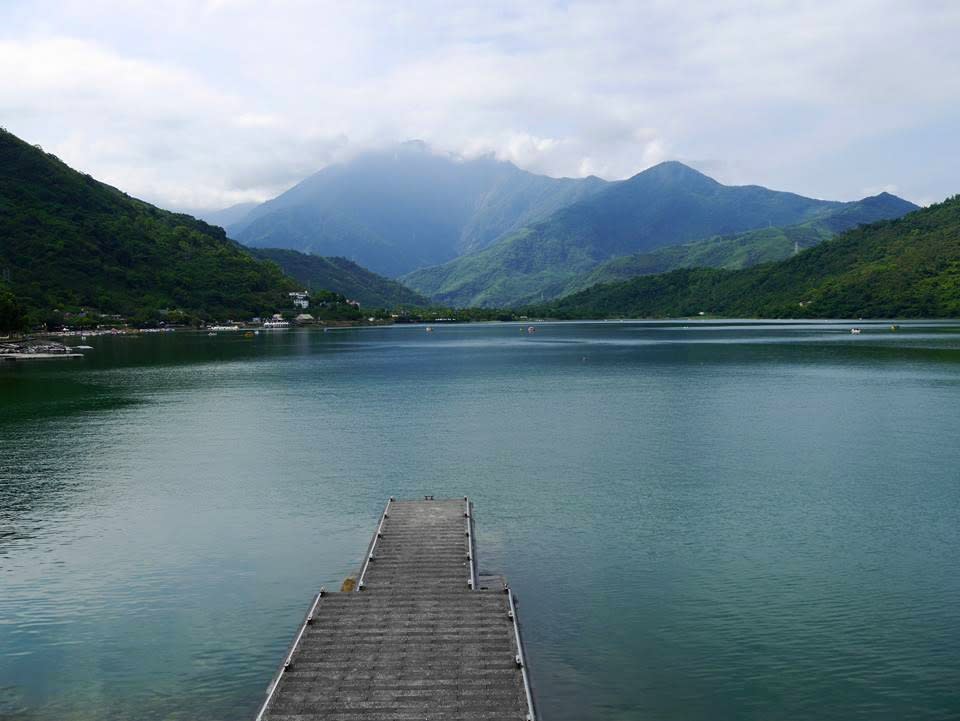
(227, 216)
(397, 210)
(485, 233)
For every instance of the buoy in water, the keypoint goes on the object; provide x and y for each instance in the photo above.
(429, 329)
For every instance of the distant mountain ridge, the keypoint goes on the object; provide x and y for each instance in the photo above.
(484, 233)
(226, 216)
(903, 268)
(404, 208)
(749, 248)
(668, 204)
(342, 276)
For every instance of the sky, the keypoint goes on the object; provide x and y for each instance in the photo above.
(200, 104)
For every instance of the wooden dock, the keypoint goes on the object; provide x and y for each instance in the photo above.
(422, 638)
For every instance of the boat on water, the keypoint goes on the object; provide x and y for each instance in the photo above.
(855, 331)
(248, 334)
(83, 347)
(531, 329)
(211, 333)
(276, 325)
(429, 329)
(223, 328)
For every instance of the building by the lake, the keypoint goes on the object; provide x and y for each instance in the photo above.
(300, 298)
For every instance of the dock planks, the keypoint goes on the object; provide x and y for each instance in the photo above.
(421, 639)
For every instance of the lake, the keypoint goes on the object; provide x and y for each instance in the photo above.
(701, 520)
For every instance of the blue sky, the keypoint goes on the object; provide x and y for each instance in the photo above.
(194, 104)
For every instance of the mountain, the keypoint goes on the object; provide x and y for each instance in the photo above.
(903, 268)
(666, 205)
(749, 248)
(342, 276)
(403, 208)
(226, 216)
(69, 241)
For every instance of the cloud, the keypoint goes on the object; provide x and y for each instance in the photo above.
(206, 104)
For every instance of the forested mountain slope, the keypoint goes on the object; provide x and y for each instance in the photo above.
(666, 205)
(68, 241)
(343, 276)
(908, 267)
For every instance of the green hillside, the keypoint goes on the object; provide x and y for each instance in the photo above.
(667, 205)
(909, 267)
(68, 242)
(342, 276)
(749, 248)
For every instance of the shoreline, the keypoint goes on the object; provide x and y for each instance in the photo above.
(14, 357)
(29, 349)
(46, 337)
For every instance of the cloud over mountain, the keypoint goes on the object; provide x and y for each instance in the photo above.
(196, 104)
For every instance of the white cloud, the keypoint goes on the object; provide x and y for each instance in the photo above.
(205, 104)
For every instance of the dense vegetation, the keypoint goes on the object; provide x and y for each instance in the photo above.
(342, 276)
(327, 305)
(12, 316)
(668, 204)
(69, 242)
(405, 207)
(909, 267)
(749, 248)
(455, 315)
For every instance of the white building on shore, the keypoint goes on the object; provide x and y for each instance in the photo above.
(300, 298)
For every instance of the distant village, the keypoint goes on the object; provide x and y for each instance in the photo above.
(325, 307)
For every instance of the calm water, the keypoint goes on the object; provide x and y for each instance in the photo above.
(720, 521)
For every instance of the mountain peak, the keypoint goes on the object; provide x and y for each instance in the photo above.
(673, 171)
(889, 200)
(405, 206)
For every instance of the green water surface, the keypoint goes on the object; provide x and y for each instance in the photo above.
(701, 520)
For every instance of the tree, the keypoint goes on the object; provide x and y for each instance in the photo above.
(11, 313)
